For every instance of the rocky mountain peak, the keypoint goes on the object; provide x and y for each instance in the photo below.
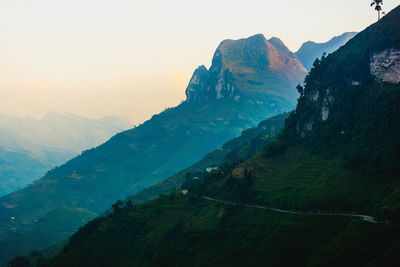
(196, 84)
(253, 70)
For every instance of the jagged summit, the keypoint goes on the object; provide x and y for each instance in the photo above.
(302, 201)
(252, 77)
(197, 83)
(252, 70)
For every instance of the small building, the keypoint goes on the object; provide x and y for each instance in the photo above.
(213, 169)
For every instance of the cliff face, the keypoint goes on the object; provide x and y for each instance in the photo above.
(385, 66)
(197, 83)
(366, 65)
(253, 70)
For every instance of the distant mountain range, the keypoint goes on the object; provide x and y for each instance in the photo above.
(30, 147)
(310, 51)
(250, 80)
(324, 193)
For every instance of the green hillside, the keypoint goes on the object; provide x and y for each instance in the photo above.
(326, 193)
(249, 143)
(162, 146)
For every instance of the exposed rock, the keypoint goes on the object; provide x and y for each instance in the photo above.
(197, 83)
(328, 99)
(253, 71)
(385, 66)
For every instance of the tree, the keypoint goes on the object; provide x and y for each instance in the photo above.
(300, 89)
(378, 7)
(117, 206)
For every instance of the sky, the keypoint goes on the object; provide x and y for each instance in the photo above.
(134, 58)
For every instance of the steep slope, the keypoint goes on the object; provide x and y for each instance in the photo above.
(249, 143)
(241, 148)
(33, 146)
(164, 145)
(298, 203)
(310, 51)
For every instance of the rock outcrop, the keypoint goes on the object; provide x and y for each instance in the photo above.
(252, 70)
(385, 66)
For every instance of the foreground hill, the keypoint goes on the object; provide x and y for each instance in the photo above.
(243, 147)
(310, 51)
(29, 147)
(249, 143)
(326, 193)
(248, 82)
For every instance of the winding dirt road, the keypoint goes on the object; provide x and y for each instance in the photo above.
(366, 218)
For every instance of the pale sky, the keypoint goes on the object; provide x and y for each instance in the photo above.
(134, 58)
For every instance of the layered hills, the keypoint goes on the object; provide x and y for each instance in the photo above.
(218, 108)
(325, 193)
(30, 147)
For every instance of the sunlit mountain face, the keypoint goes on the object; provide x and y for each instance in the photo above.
(324, 193)
(249, 81)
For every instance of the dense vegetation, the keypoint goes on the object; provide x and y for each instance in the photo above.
(162, 146)
(127, 163)
(345, 163)
(249, 143)
(363, 126)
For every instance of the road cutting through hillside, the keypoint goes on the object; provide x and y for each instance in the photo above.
(366, 218)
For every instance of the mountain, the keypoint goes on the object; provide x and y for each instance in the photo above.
(29, 147)
(249, 143)
(325, 193)
(310, 51)
(167, 143)
(252, 70)
(18, 168)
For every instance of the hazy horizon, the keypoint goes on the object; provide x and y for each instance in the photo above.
(135, 58)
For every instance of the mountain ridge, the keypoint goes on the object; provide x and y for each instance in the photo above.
(345, 162)
(248, 70)
(309, 51)
(145, 155)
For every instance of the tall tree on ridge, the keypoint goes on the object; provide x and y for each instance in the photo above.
(378, 7)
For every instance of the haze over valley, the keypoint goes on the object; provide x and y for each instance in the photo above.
(119, 147)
